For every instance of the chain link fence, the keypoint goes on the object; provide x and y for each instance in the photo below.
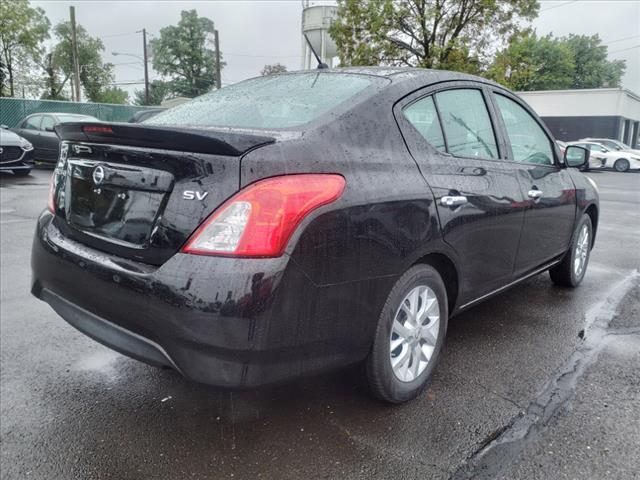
(13, 110)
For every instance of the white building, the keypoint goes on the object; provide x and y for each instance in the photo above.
(598, 112)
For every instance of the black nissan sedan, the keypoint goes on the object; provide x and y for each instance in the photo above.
(301, 222)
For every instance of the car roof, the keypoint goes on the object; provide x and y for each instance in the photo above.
(593, 139)
(404, 74)
(586, 140)
(79, 115)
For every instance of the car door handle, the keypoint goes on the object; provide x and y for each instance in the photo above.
(453, 201)
(535, 193)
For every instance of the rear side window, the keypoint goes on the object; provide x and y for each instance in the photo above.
(424, 117)
(32, 123)
(529, 143)
(594, 148)
(47, 122)
(271, 102)
(466, 123)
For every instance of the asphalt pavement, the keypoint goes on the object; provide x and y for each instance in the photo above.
(539, 382)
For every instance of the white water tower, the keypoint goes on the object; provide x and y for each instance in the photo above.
(316, 21)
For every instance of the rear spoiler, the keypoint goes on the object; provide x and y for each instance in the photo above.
(182, 139)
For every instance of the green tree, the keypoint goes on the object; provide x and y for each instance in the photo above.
(451, 34)
(183, 53)
(95, 75)
(546, 63)
(22, 31)
(273, 69)
(3, 75)
(158, 92)
(534, 63)
(593, 70)
(112, 95)
(55, 80)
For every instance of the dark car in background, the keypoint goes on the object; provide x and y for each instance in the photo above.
(143, 115)
(16, 153)
(38, 129)
(295, 223)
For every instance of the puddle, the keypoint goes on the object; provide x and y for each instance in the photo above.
(102, 362)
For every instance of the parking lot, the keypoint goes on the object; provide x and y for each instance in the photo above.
(539, 382)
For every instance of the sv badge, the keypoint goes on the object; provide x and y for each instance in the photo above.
(194, 195)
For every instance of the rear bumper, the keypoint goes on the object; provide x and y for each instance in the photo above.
(107, 333)
(236, 323)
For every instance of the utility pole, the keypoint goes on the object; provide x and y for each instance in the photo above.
(74, 52)
(146, 68)
(217, 41)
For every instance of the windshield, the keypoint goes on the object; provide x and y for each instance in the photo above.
(271, 102)
(621, 145)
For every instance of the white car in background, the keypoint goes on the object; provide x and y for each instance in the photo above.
(611, 144)
(604, 157)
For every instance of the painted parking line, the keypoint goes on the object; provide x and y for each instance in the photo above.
(15, 220)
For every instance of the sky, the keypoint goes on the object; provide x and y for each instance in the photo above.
(255, 33)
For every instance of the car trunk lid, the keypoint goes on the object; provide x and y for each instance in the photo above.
(139, 192)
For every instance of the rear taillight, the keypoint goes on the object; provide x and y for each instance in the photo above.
(51, 202)
(259, 220)
(97, 129)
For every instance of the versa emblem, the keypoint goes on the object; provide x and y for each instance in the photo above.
(194, 195)
(98, 175)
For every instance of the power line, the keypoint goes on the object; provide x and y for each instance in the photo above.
(135, 67)
(119, 34)
(624, 49)
(621, 39)
(127, 82)
(259, 56)
(557, 6)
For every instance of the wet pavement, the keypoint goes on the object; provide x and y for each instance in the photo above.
(539, 382)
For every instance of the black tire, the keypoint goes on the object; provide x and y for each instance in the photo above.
(564, 274)
(621, 165)
(22, 172)
(382, 381)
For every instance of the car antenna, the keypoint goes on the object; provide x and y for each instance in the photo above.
(321, 64)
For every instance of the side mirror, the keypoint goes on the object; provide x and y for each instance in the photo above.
(575, 156)
(4, 127)
(48, 129)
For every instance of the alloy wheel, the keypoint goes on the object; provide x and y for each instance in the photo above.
(621, 165)
(414, 333)
(582, 250)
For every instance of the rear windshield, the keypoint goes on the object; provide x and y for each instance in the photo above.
(76, 118)
(282, 101)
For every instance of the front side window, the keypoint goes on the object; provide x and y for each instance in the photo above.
(32, 123)
(279, 101)
(466, 123)
(424, 117)
(529, 143)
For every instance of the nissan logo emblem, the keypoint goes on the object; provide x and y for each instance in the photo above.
(98, 175)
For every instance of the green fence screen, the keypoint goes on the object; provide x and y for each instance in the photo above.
(12, 110)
